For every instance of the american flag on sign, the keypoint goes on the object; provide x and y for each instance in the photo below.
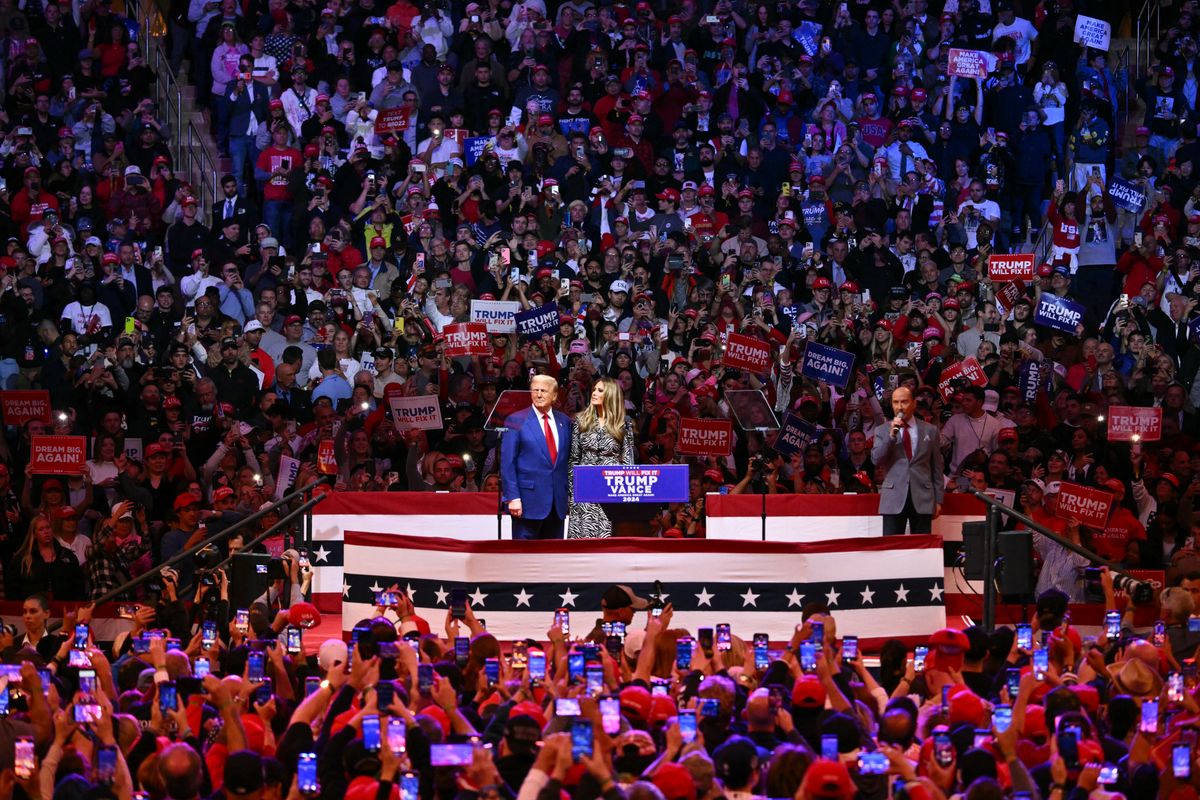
(879, 588)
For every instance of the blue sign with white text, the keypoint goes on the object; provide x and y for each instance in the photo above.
(533, 323)
(794, 435)
(638, 483)
(1058, 313)
(1126, 194)
(825, 363)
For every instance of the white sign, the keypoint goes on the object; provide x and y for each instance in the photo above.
(421, 412)
(1093, 32)
(133, 448)
(289, 468)
(367, 362)
(500, 316)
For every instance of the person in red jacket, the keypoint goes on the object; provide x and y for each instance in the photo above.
(1122, 528)
(31, 201)
(1067, 229)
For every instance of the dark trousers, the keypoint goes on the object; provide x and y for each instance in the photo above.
(894, 524)
(549, 528)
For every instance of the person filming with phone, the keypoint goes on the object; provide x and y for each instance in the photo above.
(907, 449)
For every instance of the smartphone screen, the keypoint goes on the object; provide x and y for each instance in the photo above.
(610, 715)
(458, 603)
(829, 748)
(294, 644)
(167, 697)
(396, 735)
(425, 678)
(1041, 663)
(306, 774)
(81, 636)
(106, 764)
(1160, 634)
(537, 665)
(594, 675)
(254, 665)
(1149, 723)
(1068, 748)
(24, 758)
(311, 684)
(683, 654)
(462, 650)
(850, 648)
(808, 657)
(575, 667)
(704, 638)
(87, 681)
(1112, 624)
(687, 724)
(581, 739)
(208, 635)
(1002, 718)
(385, 694)
(724, 637)
(410, 786)
(1181, 760)
(919, 655)
(371, 733)
(1024, 636)
(1012, 678)
(242, 620)
(943, 749)
(762, 658)
(491, 669)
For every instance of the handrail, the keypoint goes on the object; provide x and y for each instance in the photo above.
(219, 535)
(283, 523)
(1042, 529)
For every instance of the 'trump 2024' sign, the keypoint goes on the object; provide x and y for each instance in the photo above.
(632, 484)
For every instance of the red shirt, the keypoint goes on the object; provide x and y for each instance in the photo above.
(270, 159)
(1122, 527)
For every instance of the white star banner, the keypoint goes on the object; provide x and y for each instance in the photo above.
(877, 588)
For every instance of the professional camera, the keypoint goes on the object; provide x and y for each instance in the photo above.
(207, 558)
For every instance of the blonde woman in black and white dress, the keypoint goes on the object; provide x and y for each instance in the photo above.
(601, 436)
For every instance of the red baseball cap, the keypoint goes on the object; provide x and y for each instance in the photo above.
(186, 500)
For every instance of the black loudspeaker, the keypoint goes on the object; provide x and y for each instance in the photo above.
(248, 579)
(1015, 574)
(972, 544)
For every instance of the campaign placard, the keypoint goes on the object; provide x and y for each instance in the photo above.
(327, 457)
(968, 63)
(1125, 422)
(1033, 376)
(536, 322)
(20, 406)
(967, 369)
(419, 412)
(133, 448)
(705, 437)
(1092, 32)
(639, 483)
(474, 147)
(1126, 194)
(500, 316)
(289, 468)
(1007, 295)
(392, 120)
(57, 455)
(1058, 313)
(795, 434)
(1084, 504)
(467, 339)
(825, 363)
(743, 352)
(1005, 267)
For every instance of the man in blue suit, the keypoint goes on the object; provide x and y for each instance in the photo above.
(533, 465)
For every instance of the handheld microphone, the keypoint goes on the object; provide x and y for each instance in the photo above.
(897, 424)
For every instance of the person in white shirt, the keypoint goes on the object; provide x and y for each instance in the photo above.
(972, 428)
(195, 284)
(902, 153)
(299, 101)
(976, 209)
(1020, 30)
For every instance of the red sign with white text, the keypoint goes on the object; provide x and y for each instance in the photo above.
(467, 339)
(57, 455)
(1084, 504)
(1125, 421)
(1004, 267)
(392, 120)
(20, 406)
(326, 458)
(743, 352)
(1008, 294)
(705, 437)
(968, 368)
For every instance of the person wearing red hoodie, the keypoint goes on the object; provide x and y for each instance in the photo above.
(31, 201)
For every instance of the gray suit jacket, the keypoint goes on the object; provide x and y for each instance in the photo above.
(922, 476)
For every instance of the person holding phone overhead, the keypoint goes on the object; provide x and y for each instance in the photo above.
(602, 435)
(533, 464)
(908, 451)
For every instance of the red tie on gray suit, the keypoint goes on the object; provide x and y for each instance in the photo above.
(549, 438)
(907, 444)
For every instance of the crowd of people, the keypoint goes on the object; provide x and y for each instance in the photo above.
(663, 175)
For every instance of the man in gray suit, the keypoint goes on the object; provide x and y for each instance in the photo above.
(907, 448)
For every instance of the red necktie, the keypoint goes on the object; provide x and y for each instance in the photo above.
(549, 438)
(907, 444)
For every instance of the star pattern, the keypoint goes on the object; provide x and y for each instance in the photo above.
(523, 598)
(375, 588)
(868, 596)
(935, 593)
(568, 598)
(749, 598)
(795, 598)
(477, 598)
(441, 595)
(902, 594)
(703, 598)
(321, 555)
(831, 597)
